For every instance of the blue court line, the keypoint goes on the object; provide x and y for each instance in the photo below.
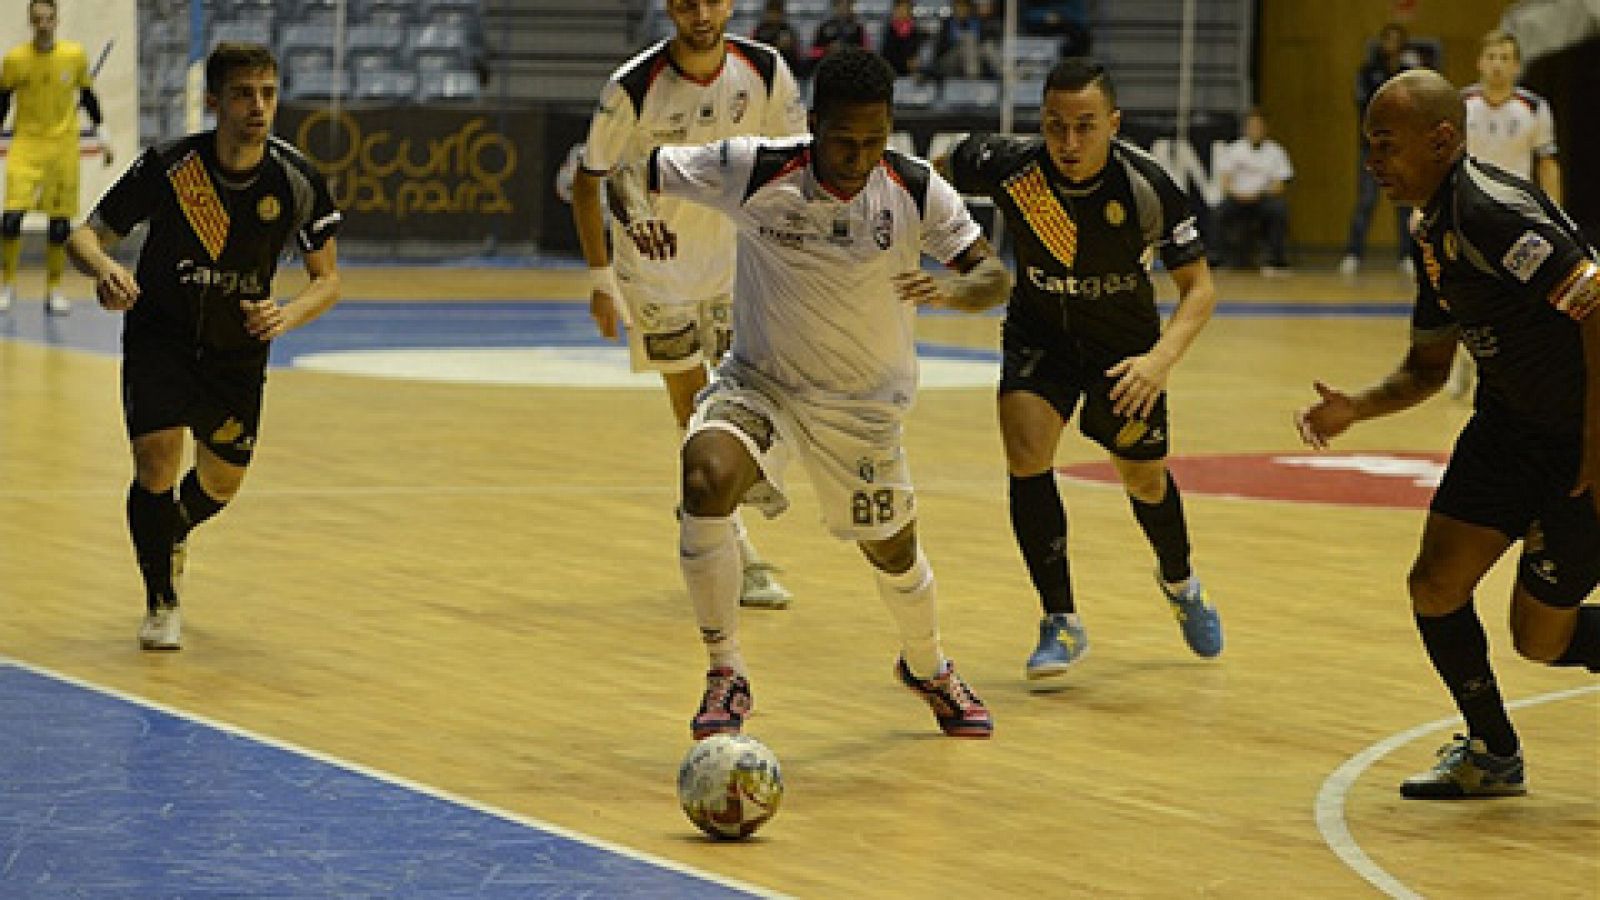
(385, 325)
(107, 795)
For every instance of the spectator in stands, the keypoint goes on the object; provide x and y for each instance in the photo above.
(969, 44)
(1255, 169)
(841, 28)
(1390, 56)
(1067, 18)
(775, 31)
(902, 40)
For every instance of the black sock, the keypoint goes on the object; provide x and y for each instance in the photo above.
(1165, 529)
(1460, 653)
(1040, 524)
(1585, 647)
(152, 518)
(194, 505)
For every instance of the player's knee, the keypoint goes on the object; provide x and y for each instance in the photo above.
(707, 486)
(895, 555)
(11, 224)
(1538, 645)
(1147, 484)
(1433, 591)
(58, 230)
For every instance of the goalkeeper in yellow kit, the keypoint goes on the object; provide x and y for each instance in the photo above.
(49, 80)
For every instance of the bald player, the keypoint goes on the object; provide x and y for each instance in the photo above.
(1505, 272)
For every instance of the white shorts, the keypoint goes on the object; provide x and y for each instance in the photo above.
(673, 336)
(852, 454)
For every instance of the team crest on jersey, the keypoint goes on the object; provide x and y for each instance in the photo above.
(1115, 214)
(736, 109)
(883, 229)
(707, 114)
(1040, 206)
(268, 208)
(200, 203)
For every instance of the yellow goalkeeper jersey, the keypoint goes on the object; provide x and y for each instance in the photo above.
(45, 88)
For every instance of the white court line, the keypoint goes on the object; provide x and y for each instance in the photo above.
(398, 781)
(1330, 799)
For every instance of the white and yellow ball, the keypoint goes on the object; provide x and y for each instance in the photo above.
(730, 785)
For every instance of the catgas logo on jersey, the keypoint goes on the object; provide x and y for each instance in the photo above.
(247, 283)
(1091, 287)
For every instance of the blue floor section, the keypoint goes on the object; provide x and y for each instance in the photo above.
(488, 323)
(103, 797)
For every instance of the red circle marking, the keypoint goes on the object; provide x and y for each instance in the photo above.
(1394, 480)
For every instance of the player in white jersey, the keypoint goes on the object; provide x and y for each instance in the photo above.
(823, 365)
(698, 86)
(1512, 128)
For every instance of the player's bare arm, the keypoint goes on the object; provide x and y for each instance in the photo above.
(114, 285)
(1141, 379)
(982, 283)
(605, 296)
(265, 319)
(1420, 375)
(1547, 171)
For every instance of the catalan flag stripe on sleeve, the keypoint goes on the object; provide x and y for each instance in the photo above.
(200, 203)
(1042, 208)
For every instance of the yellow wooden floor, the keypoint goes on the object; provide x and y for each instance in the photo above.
(476, 588)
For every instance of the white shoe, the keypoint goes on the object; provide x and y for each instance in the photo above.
(1349, 266)
(760, 589)
(56, 304)
(7, 295)
(162, 630)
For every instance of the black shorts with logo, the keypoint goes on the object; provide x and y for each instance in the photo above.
(170, 384)
(1061, 375)
(1518, 480)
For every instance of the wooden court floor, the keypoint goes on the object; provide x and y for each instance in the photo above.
(476, 588)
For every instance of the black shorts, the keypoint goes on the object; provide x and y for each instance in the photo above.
(1506, 476)
(1061, 376)
(169, 385)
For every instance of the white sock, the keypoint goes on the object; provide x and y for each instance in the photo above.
(709, 558)
(747, 550)
(912, 601)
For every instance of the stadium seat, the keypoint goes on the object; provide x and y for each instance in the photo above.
(915, 93)
(385, 85)
(970, 93)
(454, 84)
(316, 84)
(250, 30)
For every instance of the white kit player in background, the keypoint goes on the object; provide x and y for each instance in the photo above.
(701, 85)
(1512, 128)
(823, 365)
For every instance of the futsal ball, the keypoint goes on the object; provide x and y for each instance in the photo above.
(729, 785)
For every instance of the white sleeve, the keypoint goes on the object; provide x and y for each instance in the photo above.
(1227, 160)
(610, 130)
(947, 226)
(1544, 131)
(786, 111)
(711, 175)
(1282, 169)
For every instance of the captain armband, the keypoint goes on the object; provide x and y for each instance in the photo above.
(1579, 293)
(985, 285)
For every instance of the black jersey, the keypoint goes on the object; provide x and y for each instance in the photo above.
(1495, 258)
(215, 237)
(1083, 250)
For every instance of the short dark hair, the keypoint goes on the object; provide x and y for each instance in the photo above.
(849, 74)
(49, 3)
(1076, 73)
(229, 57)
(1499, 36)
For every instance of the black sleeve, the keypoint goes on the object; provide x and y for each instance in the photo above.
(981, 161)
(5, 105)
(1165, 218)
(323, 222)
(91, 104)
(134, 197)
(1525, 240)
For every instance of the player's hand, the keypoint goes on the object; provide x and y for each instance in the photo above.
(1140, 381)
(116, 288)
(264, 319)
(608, 313)
(921, 289)
(654, 239)
(1327, 419)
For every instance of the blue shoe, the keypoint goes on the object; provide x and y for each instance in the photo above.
(1202, 627)
(1062, 642)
